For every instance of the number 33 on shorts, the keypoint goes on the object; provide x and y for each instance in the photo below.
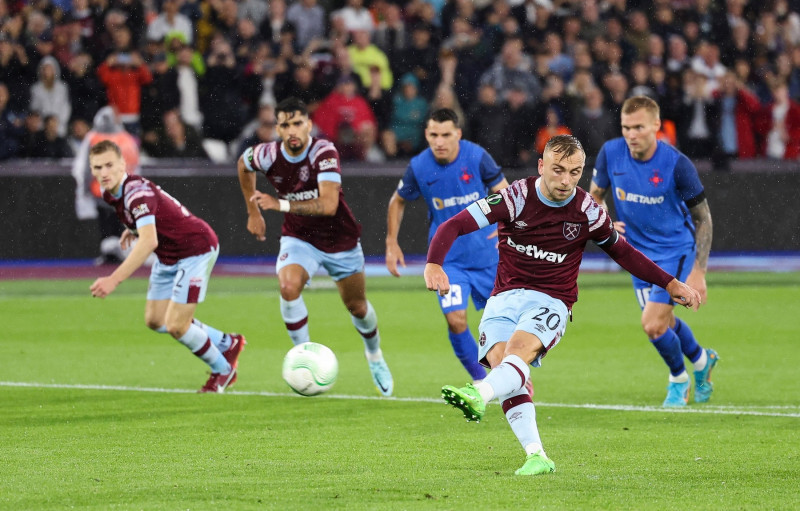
(453, 298)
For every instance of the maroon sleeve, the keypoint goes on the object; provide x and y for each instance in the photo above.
(638, 264)
(446, 234)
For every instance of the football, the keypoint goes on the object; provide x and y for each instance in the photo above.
(310, 368)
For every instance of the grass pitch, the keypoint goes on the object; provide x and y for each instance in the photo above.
(96, 412)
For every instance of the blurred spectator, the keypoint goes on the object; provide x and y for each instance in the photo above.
(50, 95)
(86, 93)
(260, 77)
(355, 16)
(49, 144)
(421, 58)
(782, 125)
(445, 97)
(260, 130)
(558, 61)
(273, 25)
(640, 80)
(638, 33)
(592, 25)
(15, 72)
(468, 54)
(695, 134)
(303, 86)
(677, 54)
(170, 20)
(592, 124)
(188, 82)
(390, 33)
(123, 75)
(254, 10)
(30, 135)
(520, 130)
(513, 67)
(175, 139)
(160, 95)
(408, 119)
(706, 62)
(89, 205)
(222, 100)
(486, 121)
(308, 18)
(11, 127)
(739, 47)
(346, 119)
(738, 110)
(364, 55)
(78, 128)
(554, 125)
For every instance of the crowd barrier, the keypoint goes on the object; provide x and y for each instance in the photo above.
(754, 207)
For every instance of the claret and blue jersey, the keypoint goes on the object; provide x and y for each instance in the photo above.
(652, 197)
(477, 173)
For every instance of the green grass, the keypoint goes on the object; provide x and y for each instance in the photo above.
(83, 424)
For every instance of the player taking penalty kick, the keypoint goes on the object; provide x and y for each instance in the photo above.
(544, 224)
(186, 248)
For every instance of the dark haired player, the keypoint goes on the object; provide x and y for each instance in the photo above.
(186, 248)
(544, 224)
(318, 227)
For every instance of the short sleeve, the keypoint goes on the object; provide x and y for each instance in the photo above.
(408, 188)
(600, 173)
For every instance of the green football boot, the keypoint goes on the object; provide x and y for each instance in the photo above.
(535, 464)
(467, 399)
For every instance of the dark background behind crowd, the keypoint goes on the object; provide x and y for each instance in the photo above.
(200, 78)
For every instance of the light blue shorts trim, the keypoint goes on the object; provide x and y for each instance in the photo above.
(475, 282)
(183, 282)
(339, 265)
(679, 266)
(522, 309)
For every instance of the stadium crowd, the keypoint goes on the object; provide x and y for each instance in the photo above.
(200, 78)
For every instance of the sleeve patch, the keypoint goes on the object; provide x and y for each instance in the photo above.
(484, 205)
(328, 164)
(140, 210)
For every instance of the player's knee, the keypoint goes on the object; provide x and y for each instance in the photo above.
(357, 308)
(457, 325)
(654, 329)
(290, 289)
(153, 323)
(177, 328)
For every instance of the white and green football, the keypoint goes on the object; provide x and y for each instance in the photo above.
(310, 368)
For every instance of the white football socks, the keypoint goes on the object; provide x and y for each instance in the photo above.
(295, 316)
(508, 377)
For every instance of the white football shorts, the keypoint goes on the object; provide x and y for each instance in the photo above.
(183, 282)
(339, 265)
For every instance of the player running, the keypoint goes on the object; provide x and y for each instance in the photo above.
(544, 225)
(663, 212)
(318, 227)
(450, 175)
(186, 248)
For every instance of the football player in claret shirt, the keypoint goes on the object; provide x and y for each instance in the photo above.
(544, 224)
(318, 227)
(663, 212)
(186, 249)
(450, 175)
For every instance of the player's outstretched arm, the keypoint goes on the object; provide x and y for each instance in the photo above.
(148, 242)
(255, 220)
(394, 217)
(683, 294)
(701, 217)
(436, 279)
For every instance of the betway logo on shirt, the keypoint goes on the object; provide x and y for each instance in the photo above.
(455, 201)
(306, 195)
(533, 251)
(639, 199)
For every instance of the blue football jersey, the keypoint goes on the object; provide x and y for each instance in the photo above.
(651, 196)
(449, 189)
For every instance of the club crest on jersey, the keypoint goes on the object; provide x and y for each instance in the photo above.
(482, 340)
(466, 175)
(571, 230)
(304, 174)
(656, 179)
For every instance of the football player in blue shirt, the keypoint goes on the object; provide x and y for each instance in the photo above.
(663, 212)
(450, 175)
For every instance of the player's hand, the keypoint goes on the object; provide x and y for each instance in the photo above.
(620, 228)
(257, 226)
(265, 201)
(697, 280)
(684, 295)
(394, 254)
(103, 287)
(127, 239)
(436, 279)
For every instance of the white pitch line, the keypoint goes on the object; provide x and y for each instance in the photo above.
(706, 409)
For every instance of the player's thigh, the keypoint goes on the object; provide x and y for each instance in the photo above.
(192, 277)
(538, 314)
(292, 253)
(341, 265)
(457, 321)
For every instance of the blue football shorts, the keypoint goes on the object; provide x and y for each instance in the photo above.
(183, 282)
(339, 265)
(475, 282)
(680, 267)
(522, 309)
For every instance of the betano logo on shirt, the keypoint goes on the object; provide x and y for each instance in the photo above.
(637, 198)
(455, 201)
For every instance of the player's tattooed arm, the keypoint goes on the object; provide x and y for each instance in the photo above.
(701, 217)
(325, 205)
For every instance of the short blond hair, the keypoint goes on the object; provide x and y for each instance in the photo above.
(636, 103)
